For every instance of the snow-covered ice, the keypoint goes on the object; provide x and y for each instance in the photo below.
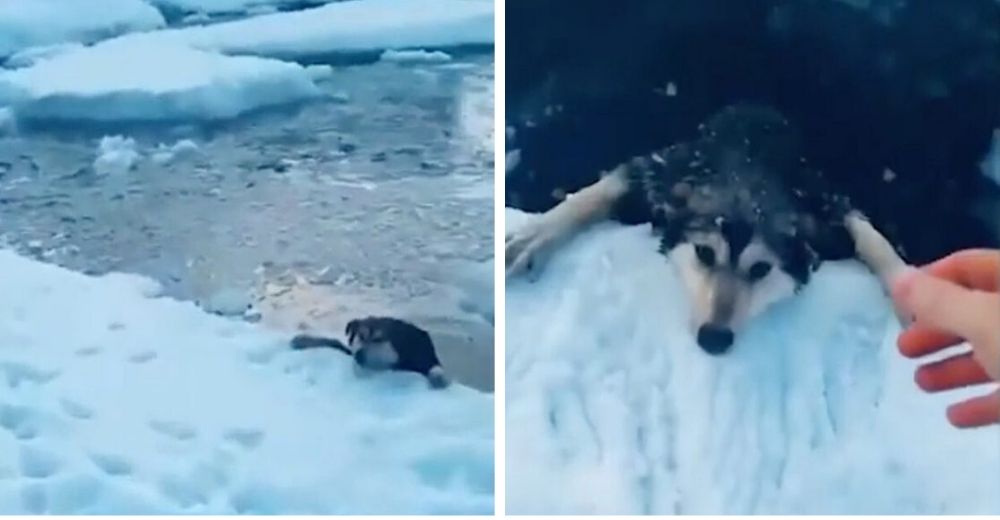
(119, 401)
(356, 25)
(144, 79)
(612, 408)
(196, 18)
(223, 6)
(116, 155)
(415, 56)
(193, 74)
(181, 150)
(319, 72)
(30, 23)
(33, 55)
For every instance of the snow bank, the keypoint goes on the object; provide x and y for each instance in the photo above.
(356, 25)
(415, 56)
(118, 402)
(147, 79)
(612, 407)
(116, 154)
(181, 150)
(319, 72)
(33, 55)
(29, 23)
(225, 6)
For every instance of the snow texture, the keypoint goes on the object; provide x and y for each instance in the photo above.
(357, 25)
(33, 55)
(224, 6)
(30, 23)
(319, 72)
(415, 56)
(612, 408)
(144, 79)
(118, 401)
(181, 150)
(116, 154)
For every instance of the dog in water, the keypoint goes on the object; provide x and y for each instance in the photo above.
(379, 343)
(738, 211)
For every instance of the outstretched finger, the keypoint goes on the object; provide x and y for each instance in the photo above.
(955, 372)
(971, 268)
(920, 340)
(940, 304)
(976, 412)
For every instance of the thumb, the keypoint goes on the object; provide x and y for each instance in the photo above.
(941, 304)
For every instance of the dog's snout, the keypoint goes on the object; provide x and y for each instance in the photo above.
(361, 357)
(715, 339)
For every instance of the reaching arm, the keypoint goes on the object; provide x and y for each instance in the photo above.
(526, 247)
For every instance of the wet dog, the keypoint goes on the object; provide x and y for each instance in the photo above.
(896, 101)
(738, 211)
(380, 343)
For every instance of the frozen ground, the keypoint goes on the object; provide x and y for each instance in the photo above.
(612, 407)
(117, 401)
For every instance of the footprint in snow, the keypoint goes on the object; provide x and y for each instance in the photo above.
(88, 351)
(173, 429)
(35, 462)
(113, 465)
(246, 438)
(142, 357)
(468, 462)
(34, 499)
(20, 421)
(18, 373)
(75, 409)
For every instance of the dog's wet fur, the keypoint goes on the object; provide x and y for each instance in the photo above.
(895, 104)
(382, 343)
(753, 135)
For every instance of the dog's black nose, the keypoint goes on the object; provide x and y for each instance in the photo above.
(360, 357)
(715, 339)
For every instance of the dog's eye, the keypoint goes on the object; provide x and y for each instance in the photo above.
(706, 255)
(758, 270)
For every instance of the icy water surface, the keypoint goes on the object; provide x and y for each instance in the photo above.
(375, 199)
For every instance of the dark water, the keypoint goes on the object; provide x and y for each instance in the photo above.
(384, 189)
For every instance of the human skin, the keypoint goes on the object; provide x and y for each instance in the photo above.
(951, 301)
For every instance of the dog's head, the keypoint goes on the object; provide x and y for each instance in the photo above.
(746, 222)
(371, 342)
(732, 270)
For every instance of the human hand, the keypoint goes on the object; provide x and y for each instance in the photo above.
(952, 301)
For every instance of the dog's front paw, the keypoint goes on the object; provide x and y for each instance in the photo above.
(527, 248)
